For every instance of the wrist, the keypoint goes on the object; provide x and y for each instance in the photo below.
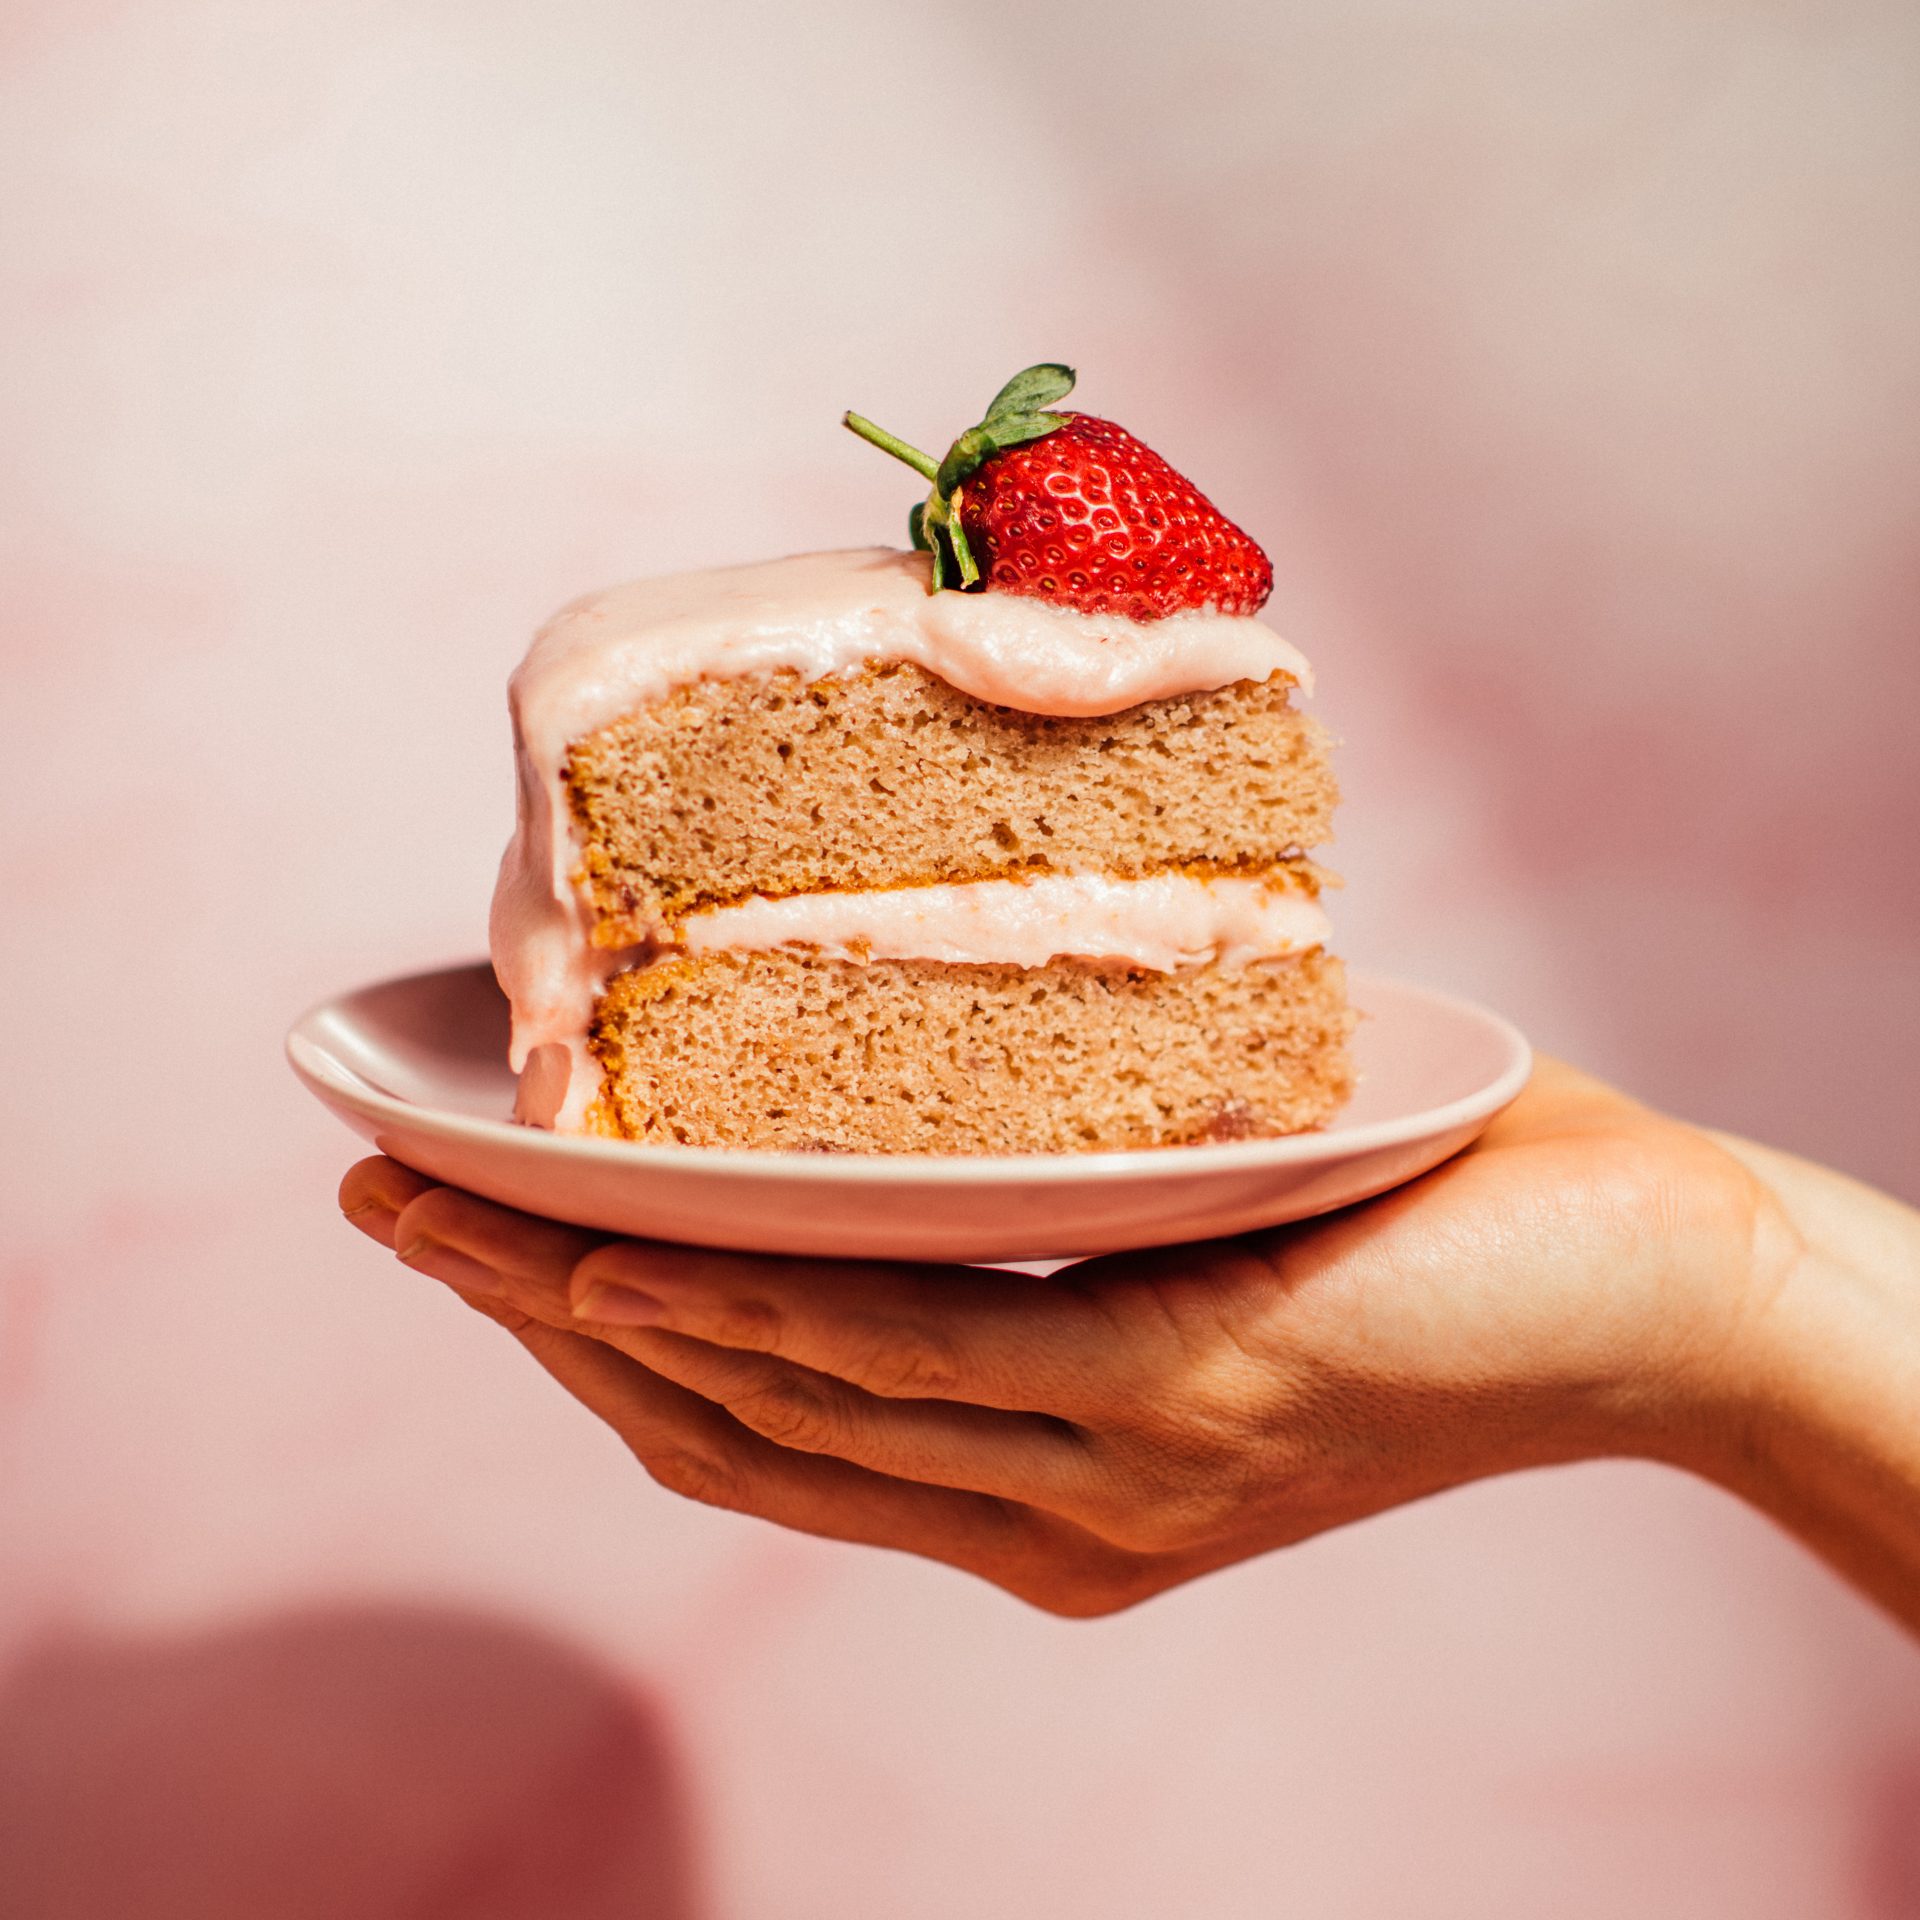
(1812, 1413)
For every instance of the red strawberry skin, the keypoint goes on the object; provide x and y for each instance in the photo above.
(1088, 517)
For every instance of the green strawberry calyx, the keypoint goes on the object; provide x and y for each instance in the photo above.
(1018, 414)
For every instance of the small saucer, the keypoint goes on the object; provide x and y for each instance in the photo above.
(419, 1067)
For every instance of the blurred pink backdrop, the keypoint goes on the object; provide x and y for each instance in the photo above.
(1562, 355)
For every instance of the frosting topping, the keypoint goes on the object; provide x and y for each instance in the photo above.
(822, 613)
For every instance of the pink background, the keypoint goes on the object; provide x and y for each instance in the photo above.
(1562, 353)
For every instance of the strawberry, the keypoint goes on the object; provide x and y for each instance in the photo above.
(1074, 510)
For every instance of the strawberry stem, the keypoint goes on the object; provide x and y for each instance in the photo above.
(956, 533)
(922, 463)
(1018, 414)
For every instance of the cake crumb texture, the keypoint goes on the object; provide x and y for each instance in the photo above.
(777, 1050)
(889, 777)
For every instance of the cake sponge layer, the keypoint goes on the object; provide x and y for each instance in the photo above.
(888, 777)
(775, 1050)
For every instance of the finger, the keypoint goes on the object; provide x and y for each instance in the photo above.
(1021, 1456)
(1039, 1457)
(1558, 1100)
(994, 1339)
(374, 1192)
(696, 1449)
(483, 1248)
(1028, 1457)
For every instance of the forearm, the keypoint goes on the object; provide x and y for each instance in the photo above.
(1825, 1431)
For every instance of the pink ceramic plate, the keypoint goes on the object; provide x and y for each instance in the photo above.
(418, 1066)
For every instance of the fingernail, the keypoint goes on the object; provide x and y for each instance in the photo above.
(621, 1307)
(450, 1265)
(365, 1206)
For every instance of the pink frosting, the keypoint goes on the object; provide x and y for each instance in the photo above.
(1163, 922)
(815, 614)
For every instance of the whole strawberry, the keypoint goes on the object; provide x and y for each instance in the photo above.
(1074, 510)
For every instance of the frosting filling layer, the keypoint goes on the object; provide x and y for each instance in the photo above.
(1162, 923)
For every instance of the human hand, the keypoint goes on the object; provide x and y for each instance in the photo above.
(1583, 1280)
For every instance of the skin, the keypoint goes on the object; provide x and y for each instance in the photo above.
(1589, 1279)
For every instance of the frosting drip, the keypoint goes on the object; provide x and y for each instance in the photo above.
(819, 614)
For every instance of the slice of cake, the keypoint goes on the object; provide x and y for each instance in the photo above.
(996, 846)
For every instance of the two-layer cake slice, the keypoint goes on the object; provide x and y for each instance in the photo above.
(812, 858)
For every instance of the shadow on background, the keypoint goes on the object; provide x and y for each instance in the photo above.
(1891, 1887)
(364, 1762)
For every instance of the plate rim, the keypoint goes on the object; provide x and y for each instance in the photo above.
(322, 1074)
